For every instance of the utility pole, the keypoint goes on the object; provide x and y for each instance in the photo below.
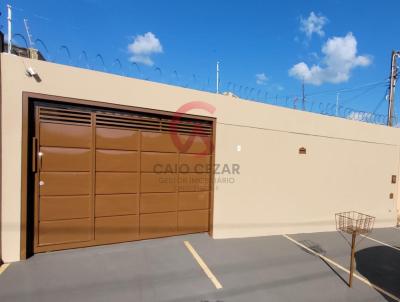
(217, 77)
(9, 18)
(393, 79)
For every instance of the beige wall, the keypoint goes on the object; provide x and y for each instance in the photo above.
(348, 164)
(280, 191)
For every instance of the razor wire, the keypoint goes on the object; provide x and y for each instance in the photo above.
(310, 103)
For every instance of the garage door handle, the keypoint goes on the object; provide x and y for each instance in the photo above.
(34, 154)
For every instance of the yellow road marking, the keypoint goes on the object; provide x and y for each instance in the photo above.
(383, 243)
(203, 265)
(4, 267)
(362, 279)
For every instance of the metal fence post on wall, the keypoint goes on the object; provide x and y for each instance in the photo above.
(9, 33)
(217, 77)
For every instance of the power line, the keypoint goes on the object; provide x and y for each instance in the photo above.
(32, 15)
(350, 99)
(348, 89)
(380, 102)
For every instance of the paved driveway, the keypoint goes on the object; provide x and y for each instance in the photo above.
(252, 269)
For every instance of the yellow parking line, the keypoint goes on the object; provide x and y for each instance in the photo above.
(203, 265)
(4, 267)
(362, 279)
(383, 243)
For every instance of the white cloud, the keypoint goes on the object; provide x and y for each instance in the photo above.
(339, 58)
(143, 47)
(313, 24)
(146, 60)
(261, 78)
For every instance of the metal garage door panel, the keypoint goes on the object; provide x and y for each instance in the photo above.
(65, 159)
(158, 182)
(194, 163)
(189, 182)
(158, 202)
(193, 221)
(158, 162)
(63, 231)
(194, 200)
(65, 183)
(117, 229)
(158, 225)
(64, 207)
(116, 161)
(120, 139)
(123, 199)
(156, 141)
(62, 135)
(116, 204)
(199, 144)
(116, 182)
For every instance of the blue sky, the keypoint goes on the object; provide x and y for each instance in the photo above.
(268, 45)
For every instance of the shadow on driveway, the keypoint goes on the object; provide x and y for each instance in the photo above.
(381, 266)
(318, 249)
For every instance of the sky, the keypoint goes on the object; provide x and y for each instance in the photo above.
(265, 48)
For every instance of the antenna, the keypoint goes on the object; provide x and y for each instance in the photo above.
(31, 43)
(9, 28)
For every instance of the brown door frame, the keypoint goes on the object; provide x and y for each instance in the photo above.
(28, 97)
(1, 191)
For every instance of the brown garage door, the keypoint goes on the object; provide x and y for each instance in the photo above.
(106, 177)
